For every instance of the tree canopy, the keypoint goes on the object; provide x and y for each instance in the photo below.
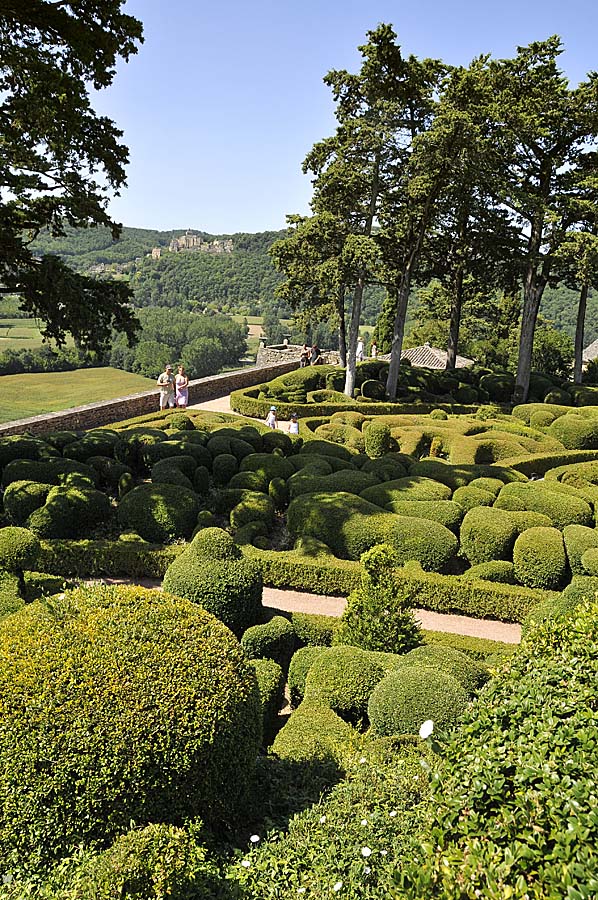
(59, 160)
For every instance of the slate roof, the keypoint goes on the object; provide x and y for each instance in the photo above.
(591, 352)
(432, 358)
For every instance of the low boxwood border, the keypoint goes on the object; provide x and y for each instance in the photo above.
(103, 557)
(528, 465)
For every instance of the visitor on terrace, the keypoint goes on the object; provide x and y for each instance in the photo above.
(182, 388)
(359, 353)
(316, 356)
(374, 350)
(271, 420)
(294, 424)
(304, 358)
(166, 384)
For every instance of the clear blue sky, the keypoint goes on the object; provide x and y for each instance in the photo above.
(224, 99)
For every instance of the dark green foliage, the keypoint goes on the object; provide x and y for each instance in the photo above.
(67, 708)
(19, 550)
(273, 640)
(172, 449)
(18, 447)
(497, 570)
(326, 449)
(165, 472)
(70, 512)
(268, 466)
(488, 533)
(373, 618)
(270, 682)
(523, 759)
(589, 561)
(254, 507)
(456, 476)
(21, 498)
(498, 386)
(539, 558)
(558, 396)
(343, 679)
(211, 573)
(249, 533)
(279, 493)
(250, 481)
(377, 439)
(51, 471)
(110, 471)
(385, 469)
(273, 440)
(201, 481)
(374, 390)
(470, 674)
(180, 422)
(411, 695)
(313, 734)
(159, 512)
(301, 663)
(126, 483)
(413, 487)
(470, 497)
(223, 468)
(96, 443)
(466, 394)
(350, 480)
(185, 464)
(447, 512)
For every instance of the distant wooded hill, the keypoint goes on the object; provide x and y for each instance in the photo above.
(242, 281)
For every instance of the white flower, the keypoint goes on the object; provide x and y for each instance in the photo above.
(301, 890)
(245, 863)
(364, 821)
(365, 851)
(426, 729)
(254, 838)
(392, 813)
(383, 852)
(322, 819)
(337, 886)
(363, 759)
(366, 870)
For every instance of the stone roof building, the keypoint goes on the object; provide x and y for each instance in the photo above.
(430, 357)
(591, 352)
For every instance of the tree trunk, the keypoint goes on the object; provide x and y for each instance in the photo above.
(579, 330)
(342, 327)
(353, 337)
(455, 324)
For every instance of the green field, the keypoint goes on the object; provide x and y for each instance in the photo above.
(32, 395)
(21, 334)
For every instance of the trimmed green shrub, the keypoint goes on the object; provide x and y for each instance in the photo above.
(438, 414)
(301, 662)
(470, 674)
(159, 512)
(109, 470)
(50, 471)
(377, 439)
(374, 390)
(313, 629)
(85, 750)
(477, 648)
(558, 396)
(539, 558)
(326, 449)
(367, 621)
(70, 512)
(352, 481)
(273, 640)
(164, 473)
(277, 440)
(498, 570)
(250, 481)
(561, 510)
(96, 444)
(492, 485)
(459, 475)
(126, 483)
(279, 493)
(499, 386)
(182, 463)
(270, 682)
(469, 497)
(247, 534)
(523, 760)
(201, 481)
(313, 734)
(254, 507)
(385, 469)
(209, 572)
(19, 550)
(447, 512)
(589, 561)
(413, 487)
(343, 678)
(148, 863)
(21, 498)
(268, 465)
(578, 539)
(173, 449)
(489, 533)
(410, 695)
(16, 446)
(224, 467)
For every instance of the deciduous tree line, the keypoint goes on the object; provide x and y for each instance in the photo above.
(482, 177)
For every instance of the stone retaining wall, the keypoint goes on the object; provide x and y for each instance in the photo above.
(278, 353)
(103, 413)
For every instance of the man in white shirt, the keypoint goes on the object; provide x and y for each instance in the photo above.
(166, 384)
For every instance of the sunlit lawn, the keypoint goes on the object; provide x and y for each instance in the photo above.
(32, 395)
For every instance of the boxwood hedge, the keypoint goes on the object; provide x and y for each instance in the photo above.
(410, 695)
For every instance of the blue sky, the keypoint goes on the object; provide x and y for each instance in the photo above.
(224, 99)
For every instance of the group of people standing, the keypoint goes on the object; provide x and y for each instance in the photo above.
(310, 356)
(174, 389)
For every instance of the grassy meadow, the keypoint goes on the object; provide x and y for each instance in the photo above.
(32, 395)
(20, 334)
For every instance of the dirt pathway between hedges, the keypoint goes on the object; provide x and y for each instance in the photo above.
(298, 601)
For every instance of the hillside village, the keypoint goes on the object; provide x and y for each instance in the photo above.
(191, 241)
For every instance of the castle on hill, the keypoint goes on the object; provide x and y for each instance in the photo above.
(191, 241)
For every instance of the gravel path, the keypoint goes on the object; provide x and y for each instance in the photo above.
(297, 601)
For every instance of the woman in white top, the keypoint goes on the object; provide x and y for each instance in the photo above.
(294, 425)
(359, 350)
(271, 418)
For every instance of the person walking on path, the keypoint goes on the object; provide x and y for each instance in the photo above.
(294, 424)
(374, 350)
(359, 350)
(271, 420)
(166, 384)
(182, 388)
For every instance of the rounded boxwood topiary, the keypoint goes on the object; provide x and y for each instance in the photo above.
(159, 512)
(578, 539)
(314, 734)
(561, 509)
(273, 640)
(201, 480)
(109, 470)
(410, 695)
(373, 390)
(167, 474)
(224, 467)
(302, 661)
(118, 704)
(343, 678)
(277, 440)
(251, 481)
(539, 558)
(19, 550)
(499, 570)
(469, 497)
(268, 466)
(21, 498)
(279, 493)
(70, 512)
(378, 439)
(589, 561)
(575, 432)
(213, 573)
(470, 674)
(254, 507)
